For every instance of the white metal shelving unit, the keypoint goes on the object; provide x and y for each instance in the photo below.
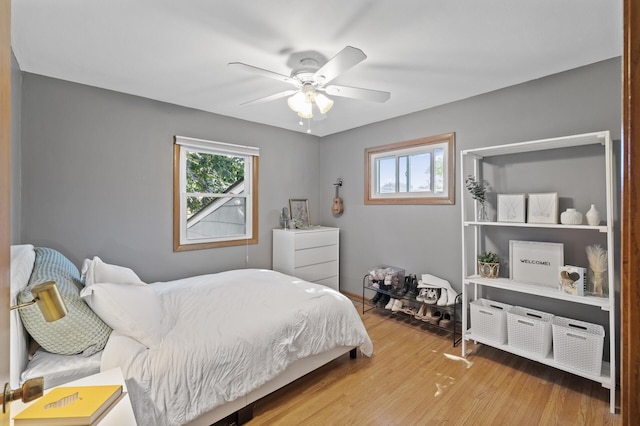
(473, 284)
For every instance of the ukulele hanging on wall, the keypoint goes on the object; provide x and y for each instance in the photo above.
(336, 207)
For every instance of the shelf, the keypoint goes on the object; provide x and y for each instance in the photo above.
(479, 236)
(539, 145)
(603, 228)
(538, 290)
(411, 298)
(604, 378)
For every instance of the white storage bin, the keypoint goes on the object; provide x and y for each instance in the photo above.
(489, 320)
(578, 344)
(529, 330)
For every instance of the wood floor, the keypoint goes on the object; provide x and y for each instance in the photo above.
(411, 381)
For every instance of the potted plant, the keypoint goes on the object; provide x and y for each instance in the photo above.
(478, 191)
(488, 265)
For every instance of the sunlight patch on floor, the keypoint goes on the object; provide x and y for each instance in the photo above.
(441, 387)
(459, 358)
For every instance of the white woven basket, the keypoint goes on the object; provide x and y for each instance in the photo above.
(489, 320)
(529, 330)
(578, 344)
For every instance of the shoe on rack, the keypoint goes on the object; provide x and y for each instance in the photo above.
(432, 295)
(427, 313)
(442, 301)
(413, 286)
(383, 301)
(375, 298)
(405, 287)
(435, 317)
(390, 304)
(446, 322)
(397, 305)
(407, 308)
(420, 312)
(420, 297)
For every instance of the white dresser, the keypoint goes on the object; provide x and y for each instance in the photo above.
(310, 254)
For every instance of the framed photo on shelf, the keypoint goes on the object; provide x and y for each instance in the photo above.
(299, 208)
(543, 208)
(535, 263)
(511, 207)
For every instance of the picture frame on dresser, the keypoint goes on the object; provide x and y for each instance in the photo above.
(543, 208)
(299, 208)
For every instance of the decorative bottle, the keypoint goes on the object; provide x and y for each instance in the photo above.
(593, 216)
(571, 217)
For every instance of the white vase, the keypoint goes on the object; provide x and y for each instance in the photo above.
(593, 216)
(571, 217)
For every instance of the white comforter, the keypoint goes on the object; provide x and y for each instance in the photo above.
(232, 332)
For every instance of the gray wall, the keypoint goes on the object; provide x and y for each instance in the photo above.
(428, 238)
(97, 177)
(16, 183)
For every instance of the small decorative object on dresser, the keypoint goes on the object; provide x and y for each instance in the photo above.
(543, 208)
(593, 216)
(571, 217)
(488, 265)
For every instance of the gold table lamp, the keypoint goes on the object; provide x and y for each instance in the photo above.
(49, 300)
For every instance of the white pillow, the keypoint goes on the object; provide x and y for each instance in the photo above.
(133, 310)
(96, 271)
(22, 258)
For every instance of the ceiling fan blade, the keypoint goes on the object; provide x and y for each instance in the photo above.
(345, 59)
(271, 97)
(264, 73)
(357, 93)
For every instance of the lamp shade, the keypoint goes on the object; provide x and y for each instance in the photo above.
(323, 103)
(49, 300)
(297, 102)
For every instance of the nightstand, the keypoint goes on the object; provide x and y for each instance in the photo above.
(121, 414)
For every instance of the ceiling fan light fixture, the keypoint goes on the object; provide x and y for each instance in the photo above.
(323, 102)
(297, 102)
(306, 114)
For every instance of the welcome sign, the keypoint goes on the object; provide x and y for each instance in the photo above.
(535, 262)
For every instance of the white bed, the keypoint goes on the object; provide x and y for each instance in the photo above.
(196, 350)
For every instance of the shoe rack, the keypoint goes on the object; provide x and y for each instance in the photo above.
(408, 303)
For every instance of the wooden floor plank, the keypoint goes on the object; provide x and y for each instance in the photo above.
(418, 378)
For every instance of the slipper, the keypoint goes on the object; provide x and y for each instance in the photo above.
(435, 317)
(446, 322)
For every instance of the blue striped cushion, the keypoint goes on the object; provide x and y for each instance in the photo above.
(81, 330)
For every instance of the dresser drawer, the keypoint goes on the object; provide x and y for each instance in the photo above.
(331, 282)
(315, 239)
(318, 271)
(315, 255)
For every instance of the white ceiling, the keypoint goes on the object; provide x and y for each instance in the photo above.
(425, 52)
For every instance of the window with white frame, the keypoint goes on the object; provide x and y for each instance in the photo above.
(419, 171)
(215, 194)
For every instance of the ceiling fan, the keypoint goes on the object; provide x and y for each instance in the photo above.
(311, 81)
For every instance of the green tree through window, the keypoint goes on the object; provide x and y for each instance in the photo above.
(211, 173)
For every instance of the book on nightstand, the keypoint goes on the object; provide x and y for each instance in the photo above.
(69, 406)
